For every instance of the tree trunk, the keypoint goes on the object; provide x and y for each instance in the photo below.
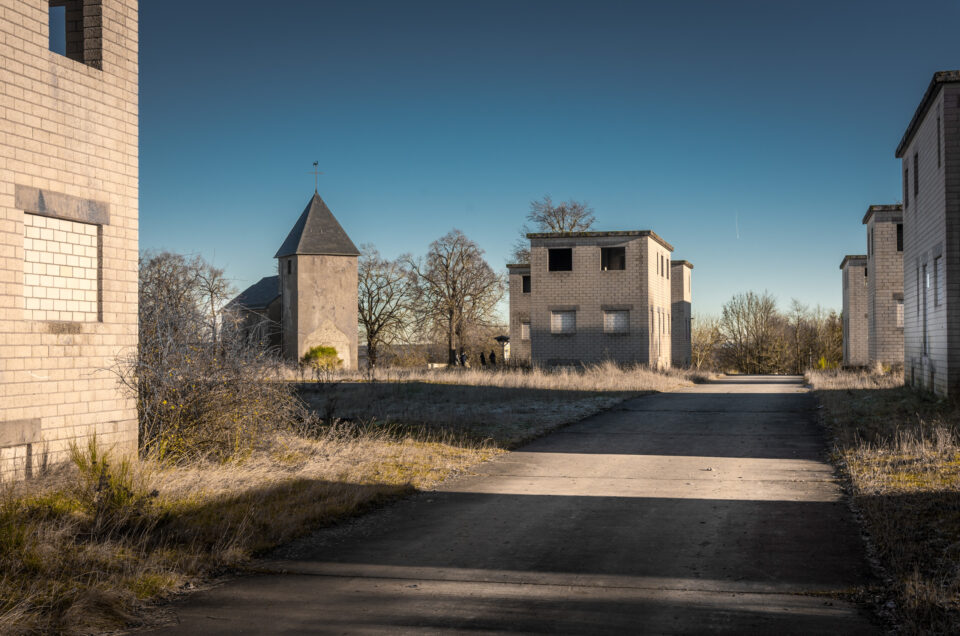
(451, 352)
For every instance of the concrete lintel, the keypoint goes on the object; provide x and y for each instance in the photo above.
(62, 206)
(19, 432)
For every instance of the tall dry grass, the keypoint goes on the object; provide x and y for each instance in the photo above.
(900, 452)
(88, 547)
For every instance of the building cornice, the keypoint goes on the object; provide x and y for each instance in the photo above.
(895, 208)
(623, 233)
(939, 78)
(850, 258)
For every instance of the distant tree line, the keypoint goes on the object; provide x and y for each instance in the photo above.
(752, 335)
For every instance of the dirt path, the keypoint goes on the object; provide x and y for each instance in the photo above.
(701, 511)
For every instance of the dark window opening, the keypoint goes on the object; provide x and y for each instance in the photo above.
(526, 284)
(612, 258)
(899, 237)
(865, 272)
(75, 30)
(906, 187)
(916, 175)
(561, 260)
(667, 263)
(290, 266)
(938, 142)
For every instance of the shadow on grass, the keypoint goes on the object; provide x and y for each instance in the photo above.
(457, 414)
(263, 518)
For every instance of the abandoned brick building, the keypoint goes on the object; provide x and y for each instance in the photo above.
(930, 154)
(312, 301)
(594, 296)
(856, 346)
(884, 269)
(68, 226)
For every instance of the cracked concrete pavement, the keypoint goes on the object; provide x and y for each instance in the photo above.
(707, 510)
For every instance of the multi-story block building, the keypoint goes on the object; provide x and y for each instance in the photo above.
(593, 296)
(68, 226)
(681, 293)
(856, 333)
(930, 154)
(518, 288)
(885, 283)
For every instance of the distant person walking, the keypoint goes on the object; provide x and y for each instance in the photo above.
(493, 358)
(463, 359)
(483, 360)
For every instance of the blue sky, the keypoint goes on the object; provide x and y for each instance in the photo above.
(692, 119)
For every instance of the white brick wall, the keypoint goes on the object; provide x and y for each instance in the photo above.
(69, 130)
(60, 269)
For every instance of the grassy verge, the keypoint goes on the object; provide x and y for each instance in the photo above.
(900, 451)
(90, 546)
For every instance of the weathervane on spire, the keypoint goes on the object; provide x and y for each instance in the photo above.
(316, 177)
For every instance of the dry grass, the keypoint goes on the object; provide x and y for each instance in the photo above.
(505, 407)
(901, 453)
(69, 566)
(88, 549)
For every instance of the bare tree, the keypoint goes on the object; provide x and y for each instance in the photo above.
(753, 329)
(545, 216)
(706, 339)
(204, 387)
(455, 288)
(385, 295)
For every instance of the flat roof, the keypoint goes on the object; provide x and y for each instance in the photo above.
(518, 265)
(677, 262)
(939, 78)
(873, 209)
(553, 235)
(853, 257)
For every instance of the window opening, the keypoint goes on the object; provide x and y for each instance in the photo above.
(616, 321)
(613, 258)
(75, 30)
(561, 260)
(290, 266)
(563, 322)
(899, 237)
(524, 330)
(525, 284)
(916, 175)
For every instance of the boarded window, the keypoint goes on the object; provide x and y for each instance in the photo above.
(524, 330)
(563, 322)
(613, 258)
(900, 313)
(560, 260)
(61, 275)
(616, 321)
(525, 282)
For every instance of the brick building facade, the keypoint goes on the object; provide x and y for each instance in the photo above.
(856, 332)
(681, 294)
(593, 296)
(930, 154)
(68, 225)
(885, 284)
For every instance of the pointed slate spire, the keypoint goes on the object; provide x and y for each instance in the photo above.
(317, 232)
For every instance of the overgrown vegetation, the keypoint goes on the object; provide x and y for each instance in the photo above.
(752, 335)
(204, 387)
(900, 451)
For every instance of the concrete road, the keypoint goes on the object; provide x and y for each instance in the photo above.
(707, 510)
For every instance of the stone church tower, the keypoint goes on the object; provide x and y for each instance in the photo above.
(317, 266)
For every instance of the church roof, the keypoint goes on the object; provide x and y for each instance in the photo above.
(317, 232)
(259, 295)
